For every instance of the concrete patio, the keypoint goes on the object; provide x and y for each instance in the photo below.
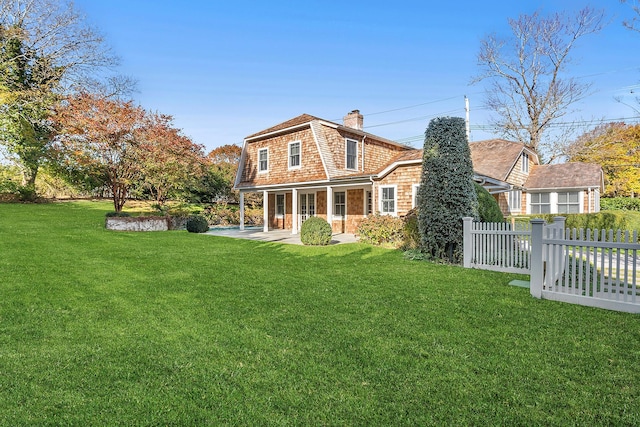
(280, 236)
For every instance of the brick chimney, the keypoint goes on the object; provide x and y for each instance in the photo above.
(353, 120)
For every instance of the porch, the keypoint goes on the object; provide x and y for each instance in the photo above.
(343, 206)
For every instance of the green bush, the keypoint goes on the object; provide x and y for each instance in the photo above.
(609, 220)
(488, 208)
(118, 214)
(197, 224)
(315, 231)
(410, 230)
(380, 230)
(620, 203)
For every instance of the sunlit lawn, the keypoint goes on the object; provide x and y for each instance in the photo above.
(172, 328)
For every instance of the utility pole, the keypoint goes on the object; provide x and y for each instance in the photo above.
(466, 110)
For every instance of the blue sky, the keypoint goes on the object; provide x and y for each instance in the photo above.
(225, 70)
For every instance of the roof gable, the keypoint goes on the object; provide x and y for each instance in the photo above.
(496, 158)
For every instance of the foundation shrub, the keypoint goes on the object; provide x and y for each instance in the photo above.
(381, 230)
(315, 231)
(410, 230)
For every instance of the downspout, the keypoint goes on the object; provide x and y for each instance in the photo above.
(372, 196)
(363, 138)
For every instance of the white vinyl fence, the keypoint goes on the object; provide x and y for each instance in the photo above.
(597, 268)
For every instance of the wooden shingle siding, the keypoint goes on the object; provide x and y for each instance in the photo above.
(403, 177)
(311, 164)
(517, 177)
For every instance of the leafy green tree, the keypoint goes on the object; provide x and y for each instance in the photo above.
(26, 97)
(447, 192)
(46, 50)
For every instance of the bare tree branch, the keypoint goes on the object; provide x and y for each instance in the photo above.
(527, 89)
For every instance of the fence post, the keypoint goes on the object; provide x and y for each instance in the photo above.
(537, 267)
(467, 222)
(560, 221)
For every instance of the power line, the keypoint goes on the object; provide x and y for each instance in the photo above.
(487, 127)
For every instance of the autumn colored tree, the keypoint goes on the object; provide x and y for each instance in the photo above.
(223, 166)
(616, 147)
(528, 89)
(171, 163)
(101, 138)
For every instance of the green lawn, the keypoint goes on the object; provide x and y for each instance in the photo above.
(172, 328)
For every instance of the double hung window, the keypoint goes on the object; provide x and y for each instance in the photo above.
(339, 205)
(351, 154)
(263, 160)
(294, 155)
(388, 200)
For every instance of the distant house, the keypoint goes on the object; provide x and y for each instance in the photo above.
(309, 166)
(512, 173)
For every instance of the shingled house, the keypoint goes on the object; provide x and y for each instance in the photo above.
(309, 166)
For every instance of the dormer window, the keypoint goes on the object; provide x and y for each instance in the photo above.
(351, 154)
(525, 163)
(294, 155)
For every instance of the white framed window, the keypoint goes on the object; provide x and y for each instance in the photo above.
(339, 204)
(280, 206)
(388, 203)
(515, 200)
(525, 162)
(263, 160)
(540, 203)
(295, 154)
(351, 154)
(569, 202)
(414, 196)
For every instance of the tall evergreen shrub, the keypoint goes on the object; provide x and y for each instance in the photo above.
(446, 192)
(488, 207)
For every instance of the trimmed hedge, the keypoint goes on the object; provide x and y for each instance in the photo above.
(608, 220)
(620, 203)
(315, 231)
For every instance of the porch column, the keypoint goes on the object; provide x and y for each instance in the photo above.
(330, 205)
(294, 211)
(241, 211)
(265, 208)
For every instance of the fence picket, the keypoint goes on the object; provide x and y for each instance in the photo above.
(585, 266)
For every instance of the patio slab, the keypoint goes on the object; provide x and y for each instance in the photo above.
(280, 236)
